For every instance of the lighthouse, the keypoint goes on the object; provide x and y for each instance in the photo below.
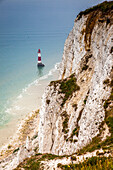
(39, 64)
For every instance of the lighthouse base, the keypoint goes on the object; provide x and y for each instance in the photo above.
(40, 65)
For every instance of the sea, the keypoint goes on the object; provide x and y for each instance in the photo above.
(25, 27)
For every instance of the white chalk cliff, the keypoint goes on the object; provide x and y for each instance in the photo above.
(66, 125)
(74, 107)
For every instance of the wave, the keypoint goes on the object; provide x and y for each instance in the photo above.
(15, 107)
(56, 67)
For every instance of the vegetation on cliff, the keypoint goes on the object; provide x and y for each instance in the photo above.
(103, 7)
(97, 12)
(97, 163)
(34, 163)
(96, 141)
(67, 86)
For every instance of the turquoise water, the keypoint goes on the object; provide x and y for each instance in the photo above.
(22, 32)
(26, 26)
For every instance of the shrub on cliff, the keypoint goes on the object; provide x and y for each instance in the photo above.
(68, 86)
(101, 163)
(103, 7)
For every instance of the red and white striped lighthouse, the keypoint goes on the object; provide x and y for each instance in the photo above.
(39, 56)
(39, 59)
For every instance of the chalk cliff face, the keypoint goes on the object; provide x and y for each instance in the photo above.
(72, 109)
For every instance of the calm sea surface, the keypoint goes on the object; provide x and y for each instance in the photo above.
(26, 26)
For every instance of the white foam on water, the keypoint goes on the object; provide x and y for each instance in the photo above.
(44, 77)
(20, 96)
(8, 110)
(17, 105)
(26, 102)
(17, 108)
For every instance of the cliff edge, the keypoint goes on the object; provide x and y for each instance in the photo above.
(73, 111)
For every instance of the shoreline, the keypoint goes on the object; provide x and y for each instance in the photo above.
(27, 127)
(17, 130)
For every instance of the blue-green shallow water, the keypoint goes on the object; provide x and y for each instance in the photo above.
(25, 26)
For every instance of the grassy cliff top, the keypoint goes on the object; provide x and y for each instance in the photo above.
(103, 7)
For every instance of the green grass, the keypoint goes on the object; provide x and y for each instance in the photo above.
(94, 163)
(55, 83)
(103, 7)
(68, 86)
(65, 117)
(95, 144)
(74, 132)
(34, 163)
